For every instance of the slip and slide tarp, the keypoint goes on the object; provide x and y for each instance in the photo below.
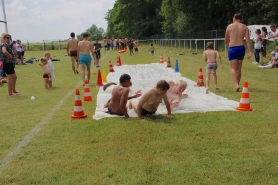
(145, 76)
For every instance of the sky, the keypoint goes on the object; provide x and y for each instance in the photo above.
(38, 20)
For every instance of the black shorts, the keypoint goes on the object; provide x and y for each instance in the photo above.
(97, 54)
(19, 54)
(107, 85)
(145, 112)
(136, 49)
(113, 113)
(22, 53)
(9, 68)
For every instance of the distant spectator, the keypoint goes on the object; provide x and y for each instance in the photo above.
(273, 63)
(19, 52)
(274, 32)
(264, 40)
(7, 55)
(14, 49)
(257, 46)
(97, 47)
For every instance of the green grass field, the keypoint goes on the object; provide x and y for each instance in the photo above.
(194, 148)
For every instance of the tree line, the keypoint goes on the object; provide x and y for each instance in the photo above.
(141, 18)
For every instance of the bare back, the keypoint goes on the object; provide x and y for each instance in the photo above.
(210, 55)
(152, 100)
(236, 32)
(72, 44)
(119, 96)
(85, 47)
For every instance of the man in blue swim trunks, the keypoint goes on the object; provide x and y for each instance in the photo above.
(234, 38)
(85, 47)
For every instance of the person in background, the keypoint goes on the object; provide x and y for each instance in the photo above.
(257, 46)
(72, 52)
(46, 72)
(264, 40)
(272, 64)
(234, 38)
(8, 57)
(274, 32)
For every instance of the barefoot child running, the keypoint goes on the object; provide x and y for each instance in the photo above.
(50, 67)
(46, 72)
(210, 58)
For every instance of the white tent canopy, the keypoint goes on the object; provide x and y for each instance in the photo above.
(252, 29)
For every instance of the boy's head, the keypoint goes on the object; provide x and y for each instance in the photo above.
(163, 86)
(273, 53)
(85, 35)
(72, 34)
(43, 60)
(210, 45)
(151, 44)
(125, 80)
(46, 55)
(181, 86)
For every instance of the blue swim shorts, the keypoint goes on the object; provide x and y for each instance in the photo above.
(85, 59)
(236, 53)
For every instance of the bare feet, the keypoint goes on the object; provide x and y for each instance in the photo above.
(237, 89)
(207, 90)
(216, 88)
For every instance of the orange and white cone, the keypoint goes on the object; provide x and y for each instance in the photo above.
(118, 62)
(168, 63)
(161, 61)
(200, 81)
(87, 93)
(111, 67)
(244, 104)
(78, 109)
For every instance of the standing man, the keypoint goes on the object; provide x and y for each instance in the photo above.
(83, 52)
(105, 41)
(234, 38)
(97, 47)
(72, 52)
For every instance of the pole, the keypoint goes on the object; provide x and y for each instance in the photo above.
(5, 19)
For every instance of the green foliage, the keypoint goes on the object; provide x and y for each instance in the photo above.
(94, 32)
(153, 17)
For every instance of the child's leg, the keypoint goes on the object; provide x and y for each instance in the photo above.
(49, 83)
(215, 79)
(208, 71)
(132, 105)
(45, 82)
(88, 73)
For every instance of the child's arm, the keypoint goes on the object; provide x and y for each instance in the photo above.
(205, 56)
(219, 57)
(168, 107)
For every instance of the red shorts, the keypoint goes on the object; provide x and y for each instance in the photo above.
(46, 75)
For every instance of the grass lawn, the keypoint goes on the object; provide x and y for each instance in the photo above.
(194, 148)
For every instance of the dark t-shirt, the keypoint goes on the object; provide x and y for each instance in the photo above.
(97, 46)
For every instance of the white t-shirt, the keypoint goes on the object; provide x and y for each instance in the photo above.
(258, 45)
(50, 65)
(18, 47)
(274, 33)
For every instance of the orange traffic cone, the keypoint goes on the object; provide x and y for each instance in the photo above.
(244, 104)
(200, 81)
(87, 93)
(161, 59)
(78, 109)
(120, 62)
(168, 62)
(111, 67)
(99, 79)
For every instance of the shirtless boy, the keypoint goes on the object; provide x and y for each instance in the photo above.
(72, 52)
(83, 52)
(234, 38)
(210, 56)
(117, 104)
(150, 100)
(174, 94)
